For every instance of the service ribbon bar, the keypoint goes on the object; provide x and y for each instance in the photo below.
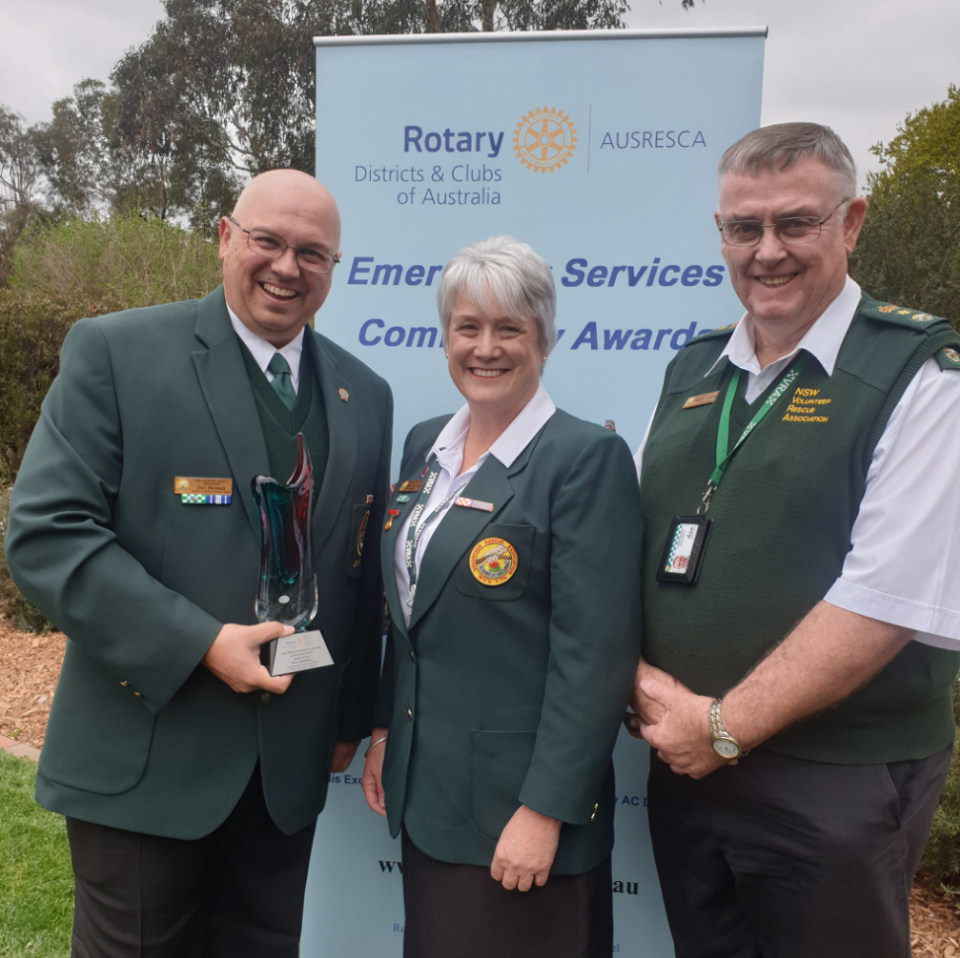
(473, 504)
(192, 499)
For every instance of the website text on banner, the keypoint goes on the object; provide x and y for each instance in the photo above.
(600, 150)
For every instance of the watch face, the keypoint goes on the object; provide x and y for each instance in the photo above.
(726, 748)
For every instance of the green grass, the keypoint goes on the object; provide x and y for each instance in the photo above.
(36, 883)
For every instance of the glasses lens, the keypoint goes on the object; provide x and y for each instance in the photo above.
(743, 232)
(315, 260)
(266, 244)
(798, 229)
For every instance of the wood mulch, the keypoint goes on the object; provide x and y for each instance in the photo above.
(30, 665)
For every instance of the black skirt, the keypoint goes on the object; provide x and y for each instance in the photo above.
(459, 911)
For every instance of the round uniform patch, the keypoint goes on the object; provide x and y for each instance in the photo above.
(362, 531)
(951, 354)
(493, 561)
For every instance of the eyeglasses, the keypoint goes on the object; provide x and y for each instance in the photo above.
(265, 243)
(793, 230)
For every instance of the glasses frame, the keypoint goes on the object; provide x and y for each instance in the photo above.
(776, 227)
(296, 250)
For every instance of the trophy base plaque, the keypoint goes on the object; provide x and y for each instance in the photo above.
(295, 653)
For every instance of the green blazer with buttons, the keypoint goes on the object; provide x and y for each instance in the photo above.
(509, 694)
(141, 736)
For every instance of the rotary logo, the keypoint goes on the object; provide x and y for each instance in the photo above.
(544, 140)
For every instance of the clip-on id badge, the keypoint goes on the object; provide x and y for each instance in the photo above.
(683, 551)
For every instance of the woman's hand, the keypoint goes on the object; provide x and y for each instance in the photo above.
(370, 781)
(525, 851)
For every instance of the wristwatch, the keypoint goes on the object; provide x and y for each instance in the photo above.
(724, 744)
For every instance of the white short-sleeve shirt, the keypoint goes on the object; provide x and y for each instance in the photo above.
(904, 564)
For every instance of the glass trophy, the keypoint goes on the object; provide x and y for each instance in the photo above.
(287, 591)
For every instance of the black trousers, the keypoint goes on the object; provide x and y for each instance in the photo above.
(778, 857)
(459, 911)
(236, 893)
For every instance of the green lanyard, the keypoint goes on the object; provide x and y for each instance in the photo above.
(723, 430)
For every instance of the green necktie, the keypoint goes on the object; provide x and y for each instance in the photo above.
(281, 382)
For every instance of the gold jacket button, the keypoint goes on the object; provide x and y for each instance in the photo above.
(409, 715)
(124, 684)
(138, 695)
(264, 697)
(412, 657)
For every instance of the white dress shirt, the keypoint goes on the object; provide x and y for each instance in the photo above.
(448, 449)
(904, 564)
(263, 352)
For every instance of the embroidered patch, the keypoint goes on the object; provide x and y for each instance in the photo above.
(493, 561)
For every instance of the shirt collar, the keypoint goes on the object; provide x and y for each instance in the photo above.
(823, 339)
(263, 352)
(509, 444)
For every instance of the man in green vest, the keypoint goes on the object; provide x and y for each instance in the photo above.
(191, 778)
(799, 573)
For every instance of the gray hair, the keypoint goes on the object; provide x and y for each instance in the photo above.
(518, 280)
(779, 146)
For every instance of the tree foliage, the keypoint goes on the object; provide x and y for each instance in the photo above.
(909, 249)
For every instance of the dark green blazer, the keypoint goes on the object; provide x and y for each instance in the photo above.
(141, 736)
(498, 696)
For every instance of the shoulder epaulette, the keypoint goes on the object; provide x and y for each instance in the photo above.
(720, 333)
(948, 358)
(898, 315)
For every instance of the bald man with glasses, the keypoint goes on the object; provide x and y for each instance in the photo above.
(190, 777)
(799, 582)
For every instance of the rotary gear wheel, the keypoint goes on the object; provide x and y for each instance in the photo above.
(544, 140)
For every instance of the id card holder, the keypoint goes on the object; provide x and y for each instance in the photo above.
(683, 551)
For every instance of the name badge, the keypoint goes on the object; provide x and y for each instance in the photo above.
(683, 551)
(411, 485)
(198, 486)
(704, 399)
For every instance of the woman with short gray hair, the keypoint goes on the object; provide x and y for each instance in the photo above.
(511, 565)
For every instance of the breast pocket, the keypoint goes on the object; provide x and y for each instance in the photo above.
(496, 567)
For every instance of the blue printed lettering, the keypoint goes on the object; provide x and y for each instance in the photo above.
(588, 335)
(364, 340)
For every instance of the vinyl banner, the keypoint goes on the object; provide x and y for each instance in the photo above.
(599, 149)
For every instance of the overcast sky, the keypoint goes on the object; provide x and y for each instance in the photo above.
(858, 65)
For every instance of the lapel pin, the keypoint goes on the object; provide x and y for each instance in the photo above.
(343, 394)
(369, 500)
(392, 513)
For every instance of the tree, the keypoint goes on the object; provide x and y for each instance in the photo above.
(909, 249)
(19, 171)
(75, 154)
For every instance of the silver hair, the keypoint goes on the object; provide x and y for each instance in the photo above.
(780, 145)
(518, 280)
